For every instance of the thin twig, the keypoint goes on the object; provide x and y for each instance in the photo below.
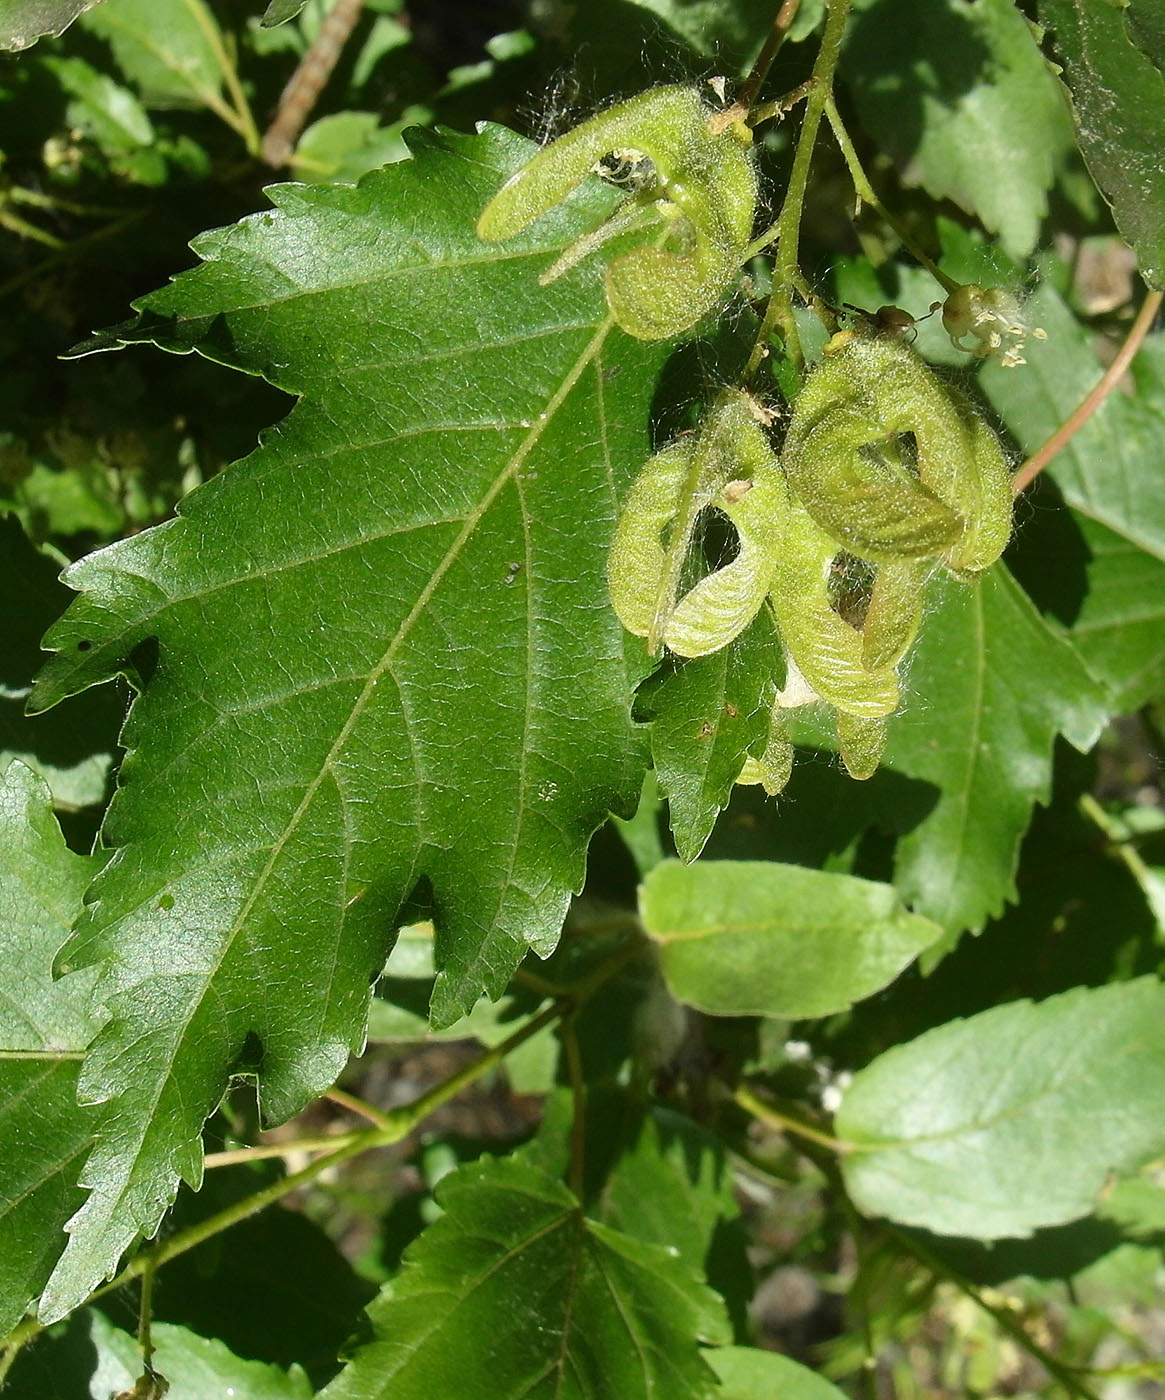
(1095, 397)
(289, 1147)
(760, 69)
(145, 1319)
(23, 229)
(365, 1110)
(244, 122)
(307, 82)
(578, 1091)
(868, 195)
(1119, 842)
(37, 199)
(787, 229)
(69, 251)
(780, 107)
(773, 1118)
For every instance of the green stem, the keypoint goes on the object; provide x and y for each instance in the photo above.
(578, 1092)
(861, 1299)
(24, 229)
(37, 199)
(1133, 1370)
(1064, 1375)
(69, 250)
(1120, 844)
(867, 195)
(782, 1123)
(787, 229)
(781, 106)
(358, 1106)
(238, 115)
(145, 1316)
(263, 1151)
(541, 985)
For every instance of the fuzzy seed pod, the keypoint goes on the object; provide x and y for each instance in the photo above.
(893, 464)
(704, 191)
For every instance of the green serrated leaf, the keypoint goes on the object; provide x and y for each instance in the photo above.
(741, 938)
(653, 1173)
(513, 1292)
(1109, 474)
(280, 11)
(747, 1373)
(664, 1178)
(171, 50)
(23, 22)
(44, 1028)
(194, 1367)
(1111, 58)
(385, 651)
(1011, 1120)
(708, 715)
(960, 96)
(998, 685)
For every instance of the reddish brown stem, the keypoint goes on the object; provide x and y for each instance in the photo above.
(784, 18)
(1096, 396)
(307, 82)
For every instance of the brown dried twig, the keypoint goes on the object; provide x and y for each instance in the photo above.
(307, 82)
(1095, 397)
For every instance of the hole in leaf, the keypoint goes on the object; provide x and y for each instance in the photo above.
(143, 662)
(717, 537)
(850, 582)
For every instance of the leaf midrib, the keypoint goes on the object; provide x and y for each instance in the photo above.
(512, 466)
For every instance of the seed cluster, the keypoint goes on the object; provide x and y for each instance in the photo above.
(885, 473)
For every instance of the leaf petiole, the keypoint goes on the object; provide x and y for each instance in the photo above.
(787, 229)
(867, 195)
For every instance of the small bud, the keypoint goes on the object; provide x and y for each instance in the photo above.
(860, 742)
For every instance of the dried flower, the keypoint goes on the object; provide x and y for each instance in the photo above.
(992, 317)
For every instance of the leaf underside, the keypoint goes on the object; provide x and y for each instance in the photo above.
(1013, 1119)
(1116, 77)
